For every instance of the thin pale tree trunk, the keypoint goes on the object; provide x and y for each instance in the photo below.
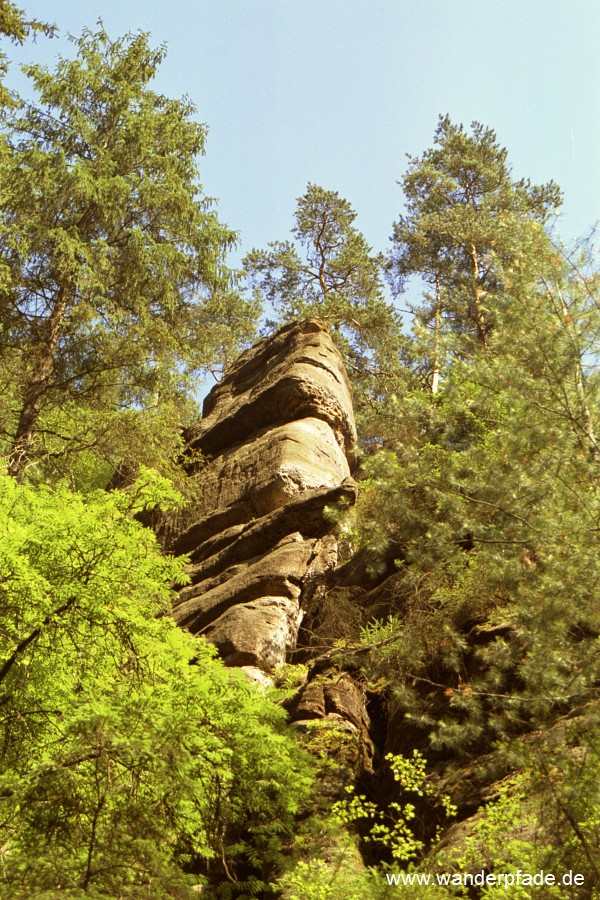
(437, 353)
(37, 388)
(587, 420)
(478, 293)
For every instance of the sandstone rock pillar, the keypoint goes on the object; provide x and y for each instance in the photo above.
(271, 453)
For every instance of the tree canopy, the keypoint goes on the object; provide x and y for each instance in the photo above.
(114, 284)
(466, 219)
(331, 272)
(490, 490)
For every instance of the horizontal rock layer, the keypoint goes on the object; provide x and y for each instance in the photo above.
(293, 375)
(271, 458)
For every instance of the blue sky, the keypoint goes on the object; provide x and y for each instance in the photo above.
(338, 91)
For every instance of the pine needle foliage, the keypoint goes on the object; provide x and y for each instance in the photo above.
(489, 483)
(329, 271)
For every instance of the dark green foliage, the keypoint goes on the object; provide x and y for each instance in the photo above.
(465, 219)
(490, 483)
(487, 487)
(330, 272)
(495, 510)
(112, 276)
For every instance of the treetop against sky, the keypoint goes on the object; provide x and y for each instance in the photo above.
(337, 93)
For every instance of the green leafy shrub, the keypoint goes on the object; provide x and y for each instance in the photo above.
(394, 828)
(129, 755)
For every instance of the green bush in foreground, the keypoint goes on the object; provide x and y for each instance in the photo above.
(129, 755)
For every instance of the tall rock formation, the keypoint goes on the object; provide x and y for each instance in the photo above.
(271, 456)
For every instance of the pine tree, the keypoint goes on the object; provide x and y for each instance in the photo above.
(493, 500)
(330, 272)
(464, 221)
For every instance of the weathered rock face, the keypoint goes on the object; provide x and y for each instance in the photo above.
(295, 374)
(272, 466)
(272, 452)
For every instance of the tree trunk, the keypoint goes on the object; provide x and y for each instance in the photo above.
(478, 293)
(587, 420)
(437, 362)
(37, 388)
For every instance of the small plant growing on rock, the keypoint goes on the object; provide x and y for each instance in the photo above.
(394, 828)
